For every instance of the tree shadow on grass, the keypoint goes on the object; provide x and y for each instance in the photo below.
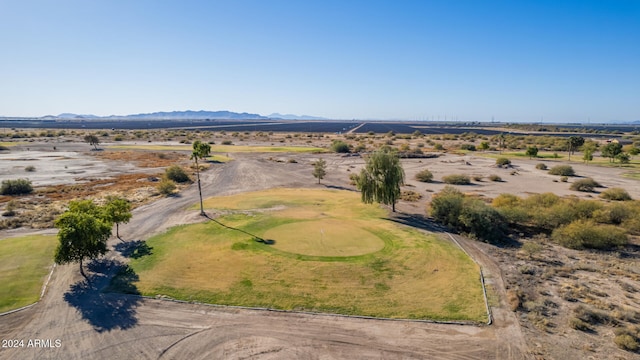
(134, 249)
(255, 237)
(106, 311)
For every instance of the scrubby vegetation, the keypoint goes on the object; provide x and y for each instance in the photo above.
(177, 174)
(494, 177)
(452, 208)
(541, 166)
(166, 187)
(562, 170)
(616, 194)
(424, 176)
(582, 234)
(457, 179)
(339, 146)
(585, 185)
(503, 162)
(16, 187)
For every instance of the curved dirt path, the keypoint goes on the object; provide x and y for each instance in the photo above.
(94, 325)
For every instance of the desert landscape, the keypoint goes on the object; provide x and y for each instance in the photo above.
(545, 300)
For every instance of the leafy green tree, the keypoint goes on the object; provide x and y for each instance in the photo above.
(573, 143)
(587, 155)
(532, 151)
(81, 236)
(623, 158)
(320, 169)
(92, 140)
(200, 151)
(381, 178)
(484, 145)
(117, 210)
(611, 150)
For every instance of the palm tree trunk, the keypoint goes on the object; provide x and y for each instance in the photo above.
(199, 187)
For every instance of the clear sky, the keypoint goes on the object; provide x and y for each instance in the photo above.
(514, 60)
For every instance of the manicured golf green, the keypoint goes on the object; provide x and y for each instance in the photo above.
(24, 264)
(312, 250)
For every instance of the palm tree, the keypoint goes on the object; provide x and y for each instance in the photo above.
(200, 151)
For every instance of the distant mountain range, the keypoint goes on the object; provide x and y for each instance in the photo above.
(185, 115)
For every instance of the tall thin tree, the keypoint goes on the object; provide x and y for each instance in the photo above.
(200, 151)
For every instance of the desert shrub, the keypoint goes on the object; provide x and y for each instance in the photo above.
(616, 194)
(166, 187)
(541, 166)
(531, 248)
(481, 220)
(627, 338)
(339, 146)
(626, 342)
(470, 215)
(586, 234)
(10, 209)
(585, 185)
(457, 179)
(410, 195)
(177, 174)
(446, 206)
(564, 179)
(562, 170)
(424, 176)
(353, 179)
(30, 168)
(469, 147)
(494, 177)
(16, 187)
(118, 138)
(503, 162)
(438, 146)
(613, 214)
(3, 148)
(477, 178)
(227, 142)
(578, 324)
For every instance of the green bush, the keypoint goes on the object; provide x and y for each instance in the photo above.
(446, 206)
(503, 162)
(616, 194)
(626, 342)
(339, 146)
(424, 176)
(177, 174)
(564, 178)
(457, 179)
(469, 147)
(481, 220)
(227, 142)
(585, 185)
(495, 178)
(563, 170)
(166, 187)
(541, 166)
(16, 187)
(586, 234)
(30, 168)
(470, 215)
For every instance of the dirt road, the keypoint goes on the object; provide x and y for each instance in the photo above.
(90, 324)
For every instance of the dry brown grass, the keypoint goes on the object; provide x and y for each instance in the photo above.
(146, 159)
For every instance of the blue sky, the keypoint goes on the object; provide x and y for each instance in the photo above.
(561, 61)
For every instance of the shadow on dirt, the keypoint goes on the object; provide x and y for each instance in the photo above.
(106, 311)
(134, 249)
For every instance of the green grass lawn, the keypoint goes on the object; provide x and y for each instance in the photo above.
(224, 148)
(330, 253)
(24, 264)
